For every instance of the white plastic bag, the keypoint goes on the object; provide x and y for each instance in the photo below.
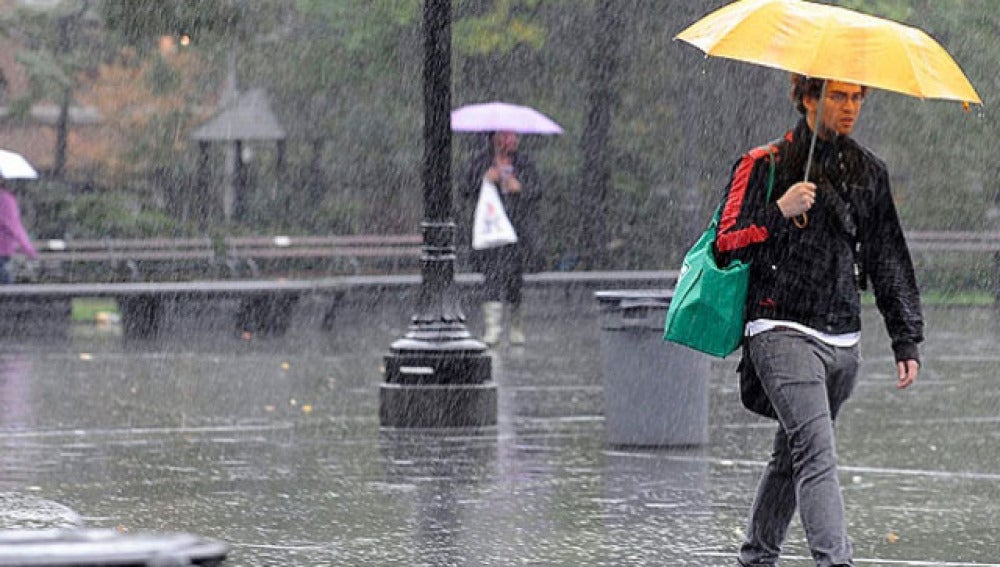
(490, 225)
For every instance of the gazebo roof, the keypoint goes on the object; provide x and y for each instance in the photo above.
(249, 118)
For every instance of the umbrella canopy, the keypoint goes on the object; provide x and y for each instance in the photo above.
(14, 166)
(501, 116)
(828, 42)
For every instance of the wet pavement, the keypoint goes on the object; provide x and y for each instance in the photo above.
(273, 445)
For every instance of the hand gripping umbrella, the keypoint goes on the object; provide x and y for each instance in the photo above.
(833, 43)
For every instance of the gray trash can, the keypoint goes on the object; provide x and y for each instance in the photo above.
(655, 392)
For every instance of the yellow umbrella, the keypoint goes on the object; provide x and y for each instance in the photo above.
(828, 42)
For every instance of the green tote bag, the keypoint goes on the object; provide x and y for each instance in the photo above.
(708, 309)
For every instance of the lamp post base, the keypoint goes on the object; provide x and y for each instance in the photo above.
(438, 388)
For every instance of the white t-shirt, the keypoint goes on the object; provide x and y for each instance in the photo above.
(758, 326)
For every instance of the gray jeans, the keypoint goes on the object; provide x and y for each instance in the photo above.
(807, 381)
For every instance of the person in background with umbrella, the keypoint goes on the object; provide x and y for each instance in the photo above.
(810, 248)
(516, 177)
(13, 236)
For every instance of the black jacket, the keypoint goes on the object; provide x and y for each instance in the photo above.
(811, 275)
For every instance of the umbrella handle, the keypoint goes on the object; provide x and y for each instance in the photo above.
(812, 147)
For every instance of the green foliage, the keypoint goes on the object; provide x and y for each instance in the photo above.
(56, 47)
(957, 298)
(54, 209)
(114, 215)
(956, 271)
(362, 40)
(85, 309)
(45, 73)
(345, 78)
(20, 107)
(47, 208)
(507, 24)
(139, 22)
(899, 10)
(117, 215)
(359, 26)
(162, 79)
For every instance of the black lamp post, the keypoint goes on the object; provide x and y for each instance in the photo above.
(437, 375)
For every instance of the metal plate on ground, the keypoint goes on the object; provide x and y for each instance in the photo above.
(66, 547)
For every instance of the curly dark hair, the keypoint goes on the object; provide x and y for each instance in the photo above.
(803, 86)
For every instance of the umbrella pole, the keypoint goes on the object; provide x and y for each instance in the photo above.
(802, 220)
(816, 127)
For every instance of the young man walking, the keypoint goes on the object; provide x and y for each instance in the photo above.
(811, 247)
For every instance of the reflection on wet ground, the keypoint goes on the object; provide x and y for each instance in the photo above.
(273, 445)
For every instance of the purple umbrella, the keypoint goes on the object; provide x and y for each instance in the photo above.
(500, 116)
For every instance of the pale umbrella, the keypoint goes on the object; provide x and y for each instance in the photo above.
(502, 116)
(14, 166)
